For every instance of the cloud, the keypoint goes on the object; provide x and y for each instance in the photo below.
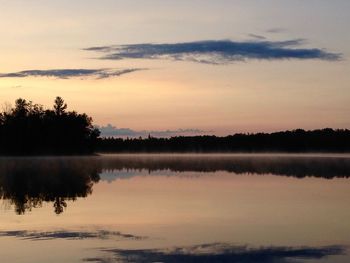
(257, 36)
(219, 252)
(217, 51)
(71, 235)
(276, 30)
(70, 73)
(112, 131)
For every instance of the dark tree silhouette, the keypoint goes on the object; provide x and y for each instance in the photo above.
(59, 106)
(29, 129)
(325, 140)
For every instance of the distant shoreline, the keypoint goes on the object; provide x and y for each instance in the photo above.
(296, 141)
(257, 154)
(186, 154)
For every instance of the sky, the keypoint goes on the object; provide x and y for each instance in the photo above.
(181, 67)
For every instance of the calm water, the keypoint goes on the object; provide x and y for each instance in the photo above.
(175, 208)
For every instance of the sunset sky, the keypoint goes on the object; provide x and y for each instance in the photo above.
(182, 67)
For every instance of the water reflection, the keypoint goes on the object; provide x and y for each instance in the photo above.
(220, 253)
(171, 203)
(28, 182)
(283, 165)
(69, 235)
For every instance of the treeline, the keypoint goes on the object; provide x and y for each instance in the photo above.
(29, 129)
(323, 140)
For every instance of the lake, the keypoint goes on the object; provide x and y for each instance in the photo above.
(176, 208)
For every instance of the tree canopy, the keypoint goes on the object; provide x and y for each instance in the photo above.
(29, 129)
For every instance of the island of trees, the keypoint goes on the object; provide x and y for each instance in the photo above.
(29, 129)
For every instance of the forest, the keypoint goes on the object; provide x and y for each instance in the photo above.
(29, 129)
(322, 140)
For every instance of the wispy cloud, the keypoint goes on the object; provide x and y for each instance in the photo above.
(70, 73)
(276, 30)
(112, 131)
(221, 253)
(260, 37)
(217, 51)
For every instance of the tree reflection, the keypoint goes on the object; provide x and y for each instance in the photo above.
(283, 165)
(28, 182)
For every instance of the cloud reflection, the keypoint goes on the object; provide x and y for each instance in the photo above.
(222, 253)
(70, 235)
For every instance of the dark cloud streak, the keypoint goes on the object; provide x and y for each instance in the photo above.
(217, 51)
(70, 73)
(257, 36)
